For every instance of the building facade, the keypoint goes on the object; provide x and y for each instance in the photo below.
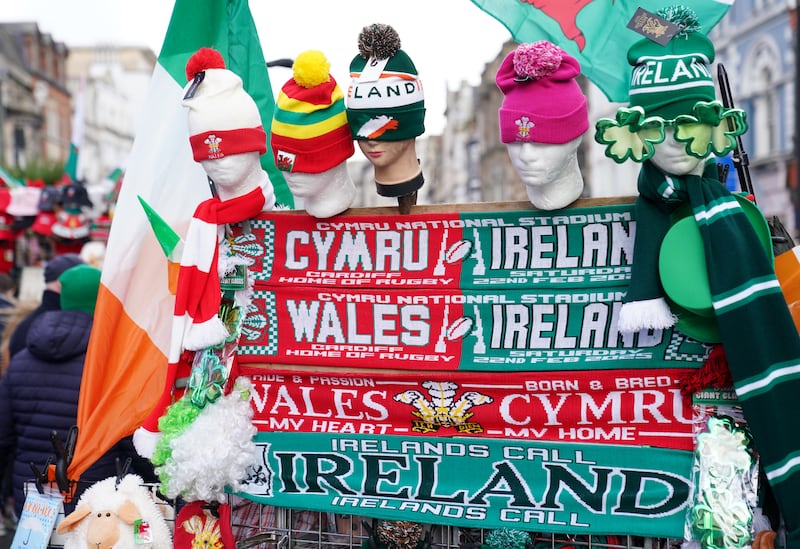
(112, 84)
(756, 44)
(35, 104)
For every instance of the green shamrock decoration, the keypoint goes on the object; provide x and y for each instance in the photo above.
(710, 128)
(630, 135)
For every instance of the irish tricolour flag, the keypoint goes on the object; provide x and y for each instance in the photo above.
(126, 364)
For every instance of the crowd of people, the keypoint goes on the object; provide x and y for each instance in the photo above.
(44, 346)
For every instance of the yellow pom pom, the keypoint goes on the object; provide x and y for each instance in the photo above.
(311, 68)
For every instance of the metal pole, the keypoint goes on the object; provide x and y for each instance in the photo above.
(740, 159)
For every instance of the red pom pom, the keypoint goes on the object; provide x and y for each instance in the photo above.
(713, 373)
(203, 59)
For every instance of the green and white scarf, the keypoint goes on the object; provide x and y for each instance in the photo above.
(758, 334)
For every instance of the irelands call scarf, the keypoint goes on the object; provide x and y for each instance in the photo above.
(758, 334)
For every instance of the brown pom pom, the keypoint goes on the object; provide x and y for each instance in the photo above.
(399, 534)
(379, 41)
(202, 59)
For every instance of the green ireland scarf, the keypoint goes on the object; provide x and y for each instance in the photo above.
(758, 334)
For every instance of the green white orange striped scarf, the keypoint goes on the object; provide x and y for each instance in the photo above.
(758, 334)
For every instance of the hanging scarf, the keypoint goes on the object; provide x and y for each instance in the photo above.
(758, 334)
(659, 196)
(197, 324)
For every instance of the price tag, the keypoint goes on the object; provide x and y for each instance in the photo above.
(236, 280)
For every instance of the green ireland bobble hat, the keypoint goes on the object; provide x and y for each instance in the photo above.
(668, 81)
(385, 101)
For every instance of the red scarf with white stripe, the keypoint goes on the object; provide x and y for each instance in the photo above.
(198, 295)
(196, 323)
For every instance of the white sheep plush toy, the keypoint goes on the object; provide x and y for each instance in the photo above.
(118, 515)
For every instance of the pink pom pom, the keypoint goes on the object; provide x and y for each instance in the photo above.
(537, 60)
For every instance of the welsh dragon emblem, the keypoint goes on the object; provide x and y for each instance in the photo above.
(565, 13)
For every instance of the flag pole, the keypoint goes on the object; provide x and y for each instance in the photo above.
(740, 159)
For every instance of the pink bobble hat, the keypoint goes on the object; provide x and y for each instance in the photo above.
(543, 102)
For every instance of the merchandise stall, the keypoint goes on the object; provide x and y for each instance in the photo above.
(558, 372)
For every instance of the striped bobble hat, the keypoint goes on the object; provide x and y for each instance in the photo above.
(385, 101)
(309, 130)
(668, 81)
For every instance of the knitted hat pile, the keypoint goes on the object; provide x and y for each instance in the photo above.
(543, 102)
(309, 131)
(385, 101)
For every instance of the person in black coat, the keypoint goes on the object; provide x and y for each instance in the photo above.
(50, 298)
(39, 392)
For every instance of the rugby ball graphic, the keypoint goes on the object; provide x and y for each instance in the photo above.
(459, 328)
(458, 251)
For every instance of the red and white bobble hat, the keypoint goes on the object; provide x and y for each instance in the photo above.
(223, 118)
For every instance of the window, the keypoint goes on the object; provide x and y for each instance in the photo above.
(763, 77)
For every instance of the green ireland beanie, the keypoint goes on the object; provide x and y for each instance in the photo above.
(79, 287)
(668, 81)
(385, 101)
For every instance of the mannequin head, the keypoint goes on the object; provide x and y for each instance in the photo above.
(225, 130)
(311, 139)
(393, 161)
(670, 156)
(234, 175)
(386, 112)
(397, 169)
(540, 164)
(549, 171)
(324, 194)
(542, 120)
(684, 103)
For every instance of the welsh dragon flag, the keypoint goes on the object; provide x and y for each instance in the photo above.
(595, 32)
(127, 357)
